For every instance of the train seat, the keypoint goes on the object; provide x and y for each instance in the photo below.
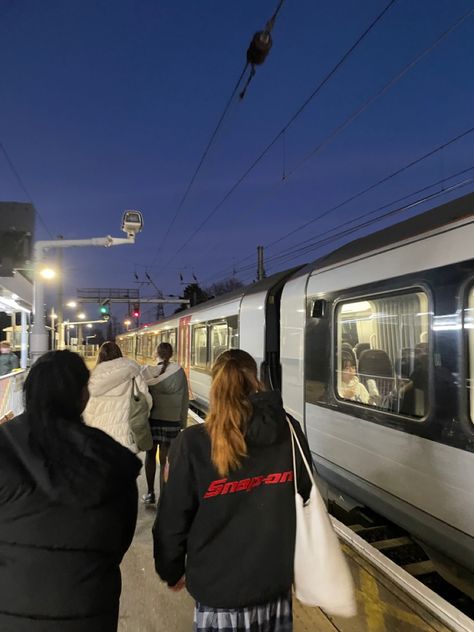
(376, 369)
(360, 348)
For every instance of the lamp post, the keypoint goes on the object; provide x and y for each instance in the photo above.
(132, 223)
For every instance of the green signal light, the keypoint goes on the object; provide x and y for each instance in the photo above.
(104, 309)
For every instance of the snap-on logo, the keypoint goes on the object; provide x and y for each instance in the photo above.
(222, 486)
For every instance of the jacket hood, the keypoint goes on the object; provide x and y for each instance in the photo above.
(268, 422)
(112, 374)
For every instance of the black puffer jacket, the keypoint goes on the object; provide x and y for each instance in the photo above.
(234, 536)
(63, 531)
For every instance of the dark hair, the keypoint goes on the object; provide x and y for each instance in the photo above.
(55, 395)
(109, 351)
(348, 357)
(55, 385)
(165, 352)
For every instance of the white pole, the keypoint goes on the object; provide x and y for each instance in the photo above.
(39, 335)
(24, 340)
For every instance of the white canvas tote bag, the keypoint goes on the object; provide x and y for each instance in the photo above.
(322, 576)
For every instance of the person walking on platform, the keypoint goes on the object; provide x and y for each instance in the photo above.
(169, 389)
(226, 521)
(68, 508)
(8, 360)
(110, 388)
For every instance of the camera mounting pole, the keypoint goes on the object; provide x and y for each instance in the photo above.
(132, 223)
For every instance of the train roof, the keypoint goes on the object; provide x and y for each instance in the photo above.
(259, 286)
(423, 223)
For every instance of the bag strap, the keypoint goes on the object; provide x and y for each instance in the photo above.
(134, 388)
(294, 437)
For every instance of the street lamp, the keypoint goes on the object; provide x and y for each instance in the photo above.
(81, 316)
(127, 323)
(71, 304)
(132, 224)
(47, 273)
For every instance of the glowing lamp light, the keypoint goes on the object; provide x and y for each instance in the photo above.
(81, 316)
(47, 273)
(127, 323)
(71, 304)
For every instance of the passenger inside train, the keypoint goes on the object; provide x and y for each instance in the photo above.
(350, 386)
(387, 366)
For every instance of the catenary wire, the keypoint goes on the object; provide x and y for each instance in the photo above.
(362, 192)
(210, 143)
(283, 130)
(199, 165)
(300, 246)
(358, 112)
(350, 231)
(23, 187)
(290, 249)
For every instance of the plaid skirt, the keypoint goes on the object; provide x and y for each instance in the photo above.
(163, 432)
(275, 616)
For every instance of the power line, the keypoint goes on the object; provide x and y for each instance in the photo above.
(362, 192)
(360, 110)
(392, 175)
(391, 213)
(290, 249)
(284, 129)
(23, 187)
(200, 164)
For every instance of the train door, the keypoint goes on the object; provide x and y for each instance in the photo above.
(184, 347)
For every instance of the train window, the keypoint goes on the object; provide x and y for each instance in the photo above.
(219, 339)
(382, 353)
(199, 347)
(233, 324)
(469, 325)
(169, 335)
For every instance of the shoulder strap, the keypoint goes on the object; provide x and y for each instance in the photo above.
(294, 437)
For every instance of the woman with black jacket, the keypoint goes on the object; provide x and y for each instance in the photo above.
(68, 506)
(225, 526)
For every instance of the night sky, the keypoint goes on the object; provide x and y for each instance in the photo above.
(107, 106)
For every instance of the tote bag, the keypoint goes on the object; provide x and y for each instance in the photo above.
(138, 420)
(321, 574)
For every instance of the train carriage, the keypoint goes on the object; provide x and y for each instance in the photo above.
(373, 348)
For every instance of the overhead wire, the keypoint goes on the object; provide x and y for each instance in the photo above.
(357, 195)
(291, 249)
(362, 225)
(209, 144)
(292, 119)
(22, 185)
(354, 115)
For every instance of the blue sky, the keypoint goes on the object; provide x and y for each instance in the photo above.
(108, 105)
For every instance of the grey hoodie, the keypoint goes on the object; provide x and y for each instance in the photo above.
(169, 392)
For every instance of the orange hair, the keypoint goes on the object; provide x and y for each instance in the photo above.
(234, 379)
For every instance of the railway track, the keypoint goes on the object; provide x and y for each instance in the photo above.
(399, 547)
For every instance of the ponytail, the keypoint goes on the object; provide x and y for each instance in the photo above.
(234, 380)
(165, 352)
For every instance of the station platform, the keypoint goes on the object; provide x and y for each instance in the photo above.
(147, 605)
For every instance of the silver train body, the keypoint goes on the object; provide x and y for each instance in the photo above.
(396, 435)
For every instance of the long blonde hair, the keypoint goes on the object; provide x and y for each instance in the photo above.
(234, 379)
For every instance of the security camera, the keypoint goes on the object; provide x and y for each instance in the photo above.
(132, 223)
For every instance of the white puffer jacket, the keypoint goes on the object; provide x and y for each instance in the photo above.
(110, 389)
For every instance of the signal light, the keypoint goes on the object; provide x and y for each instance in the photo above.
(104, 309)
(136, 310)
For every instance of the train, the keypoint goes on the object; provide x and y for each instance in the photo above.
(372, 347)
